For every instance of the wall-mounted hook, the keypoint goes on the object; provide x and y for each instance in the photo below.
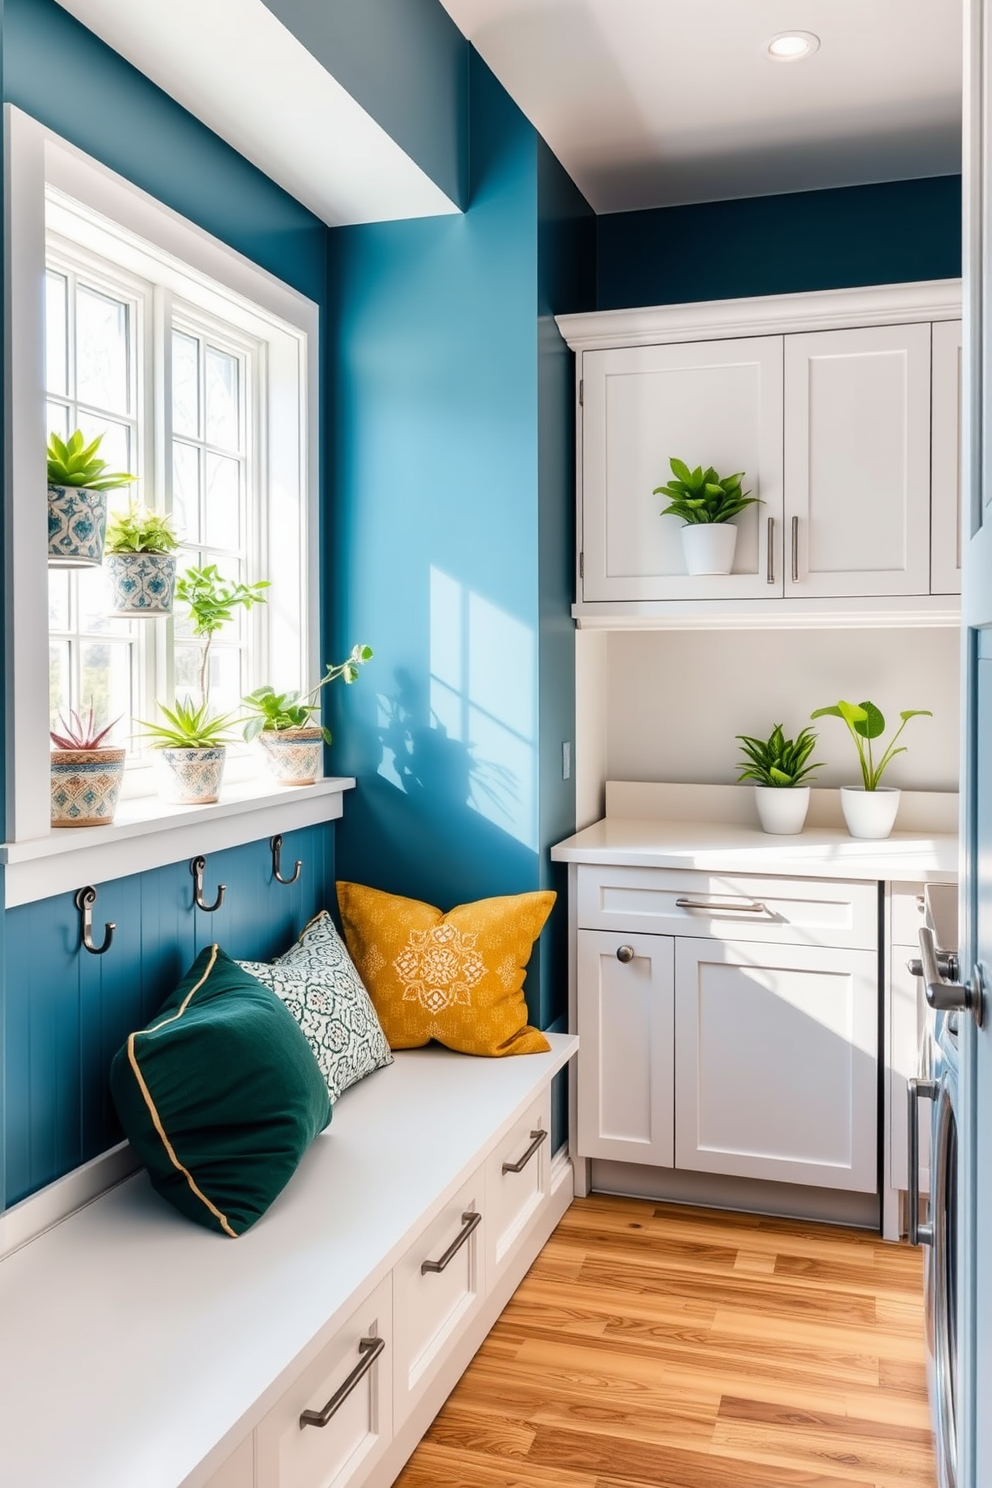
(197, 867)
(85, 900)
(276, 845)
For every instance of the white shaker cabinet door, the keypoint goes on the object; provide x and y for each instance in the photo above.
(626, 1063)
(713, 403)
(945, 495)
(777, 1071)
(857, 462)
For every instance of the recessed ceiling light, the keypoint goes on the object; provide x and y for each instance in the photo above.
(792, 46)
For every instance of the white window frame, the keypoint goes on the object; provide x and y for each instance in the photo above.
(227, 284)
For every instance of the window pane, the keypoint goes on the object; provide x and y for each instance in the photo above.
(58, 680)
(185, 384)
(58, 420)
(115, 446)
(58, 599)
(102, 347)
(222, 399)
(94, 607)
(105, 680)
(223, 503)
(56, 343)
(188, 672)
(186, 491)
(225, 679)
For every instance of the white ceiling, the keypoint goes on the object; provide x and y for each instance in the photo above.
(652, 102)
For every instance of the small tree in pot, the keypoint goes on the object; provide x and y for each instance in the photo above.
(140, 559)
(283, 722)
(706, 503)
(78, 482)
(86, 772)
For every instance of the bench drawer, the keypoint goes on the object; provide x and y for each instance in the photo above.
(351, 1376)
(668, 901)
(518, 1181)
(438, 1286)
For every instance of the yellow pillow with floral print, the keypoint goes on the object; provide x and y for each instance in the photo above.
(455, 977)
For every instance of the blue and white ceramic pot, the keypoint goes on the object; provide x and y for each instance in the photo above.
(141, 584)
(77, 522)
(295, 756)
(85, 786)
(191, 777)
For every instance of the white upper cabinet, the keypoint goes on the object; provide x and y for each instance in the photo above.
(842, 409)
(708, 403)
(857, 462)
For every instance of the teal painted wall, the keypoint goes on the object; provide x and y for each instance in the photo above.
(406, 63)
(890, 233)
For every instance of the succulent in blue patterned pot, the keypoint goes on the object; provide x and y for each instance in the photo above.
(86, 772)
(78, 482)
(141, 563)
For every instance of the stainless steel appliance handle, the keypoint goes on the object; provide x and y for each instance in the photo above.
(770, 565)
(754, 907)
(946, 993)
(919, 1234)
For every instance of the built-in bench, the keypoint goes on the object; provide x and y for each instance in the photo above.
(139, 1351)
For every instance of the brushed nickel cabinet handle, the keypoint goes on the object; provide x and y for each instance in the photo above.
(625, 954)
(537, 1137)
(919, 1234)
(470, 1221)
(756, 907)
(795, 550)
(770, 565)
(370, 1349)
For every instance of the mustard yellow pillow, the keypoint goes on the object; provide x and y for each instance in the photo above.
(455, 977)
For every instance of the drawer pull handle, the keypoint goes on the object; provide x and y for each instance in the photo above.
(795, 550)
(537, 1137)
(770, 565)
(370, 1349)
(754, 907)
(470, 1222)
(625, 954)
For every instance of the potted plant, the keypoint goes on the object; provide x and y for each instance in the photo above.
(193, 747)
(140, 558)
(778, 766)
(870, 809)
(86, 773)
(283, 723)
(706, 502)
(78, 482)
(212, 601)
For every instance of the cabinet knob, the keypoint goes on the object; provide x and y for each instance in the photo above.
(625, 954)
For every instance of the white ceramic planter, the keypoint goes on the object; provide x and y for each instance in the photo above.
(869, 814)
(191, 776)
(141, 584)
(294, 756)
(77, 522)
(85, 786)
(782, 809)
(709, 547)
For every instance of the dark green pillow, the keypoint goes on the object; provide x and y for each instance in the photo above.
(220, 1095)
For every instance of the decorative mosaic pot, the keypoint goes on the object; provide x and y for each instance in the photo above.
(141, 584)
(85, 786)
(192, 776)
(77, 521)
(295, 756)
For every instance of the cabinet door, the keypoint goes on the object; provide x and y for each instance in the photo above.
(945, 492)
(857, 462)
(626, 1018)
(777, 1069)
(713, 403)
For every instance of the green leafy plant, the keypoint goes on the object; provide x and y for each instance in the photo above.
(778, 760)
(700, 495)
(139, 530)
(277, 711)
(79, 733)
(865, 724)
(75, 463)
(189, 727)
(212, 601)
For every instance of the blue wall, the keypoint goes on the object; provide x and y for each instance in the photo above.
(807, 240)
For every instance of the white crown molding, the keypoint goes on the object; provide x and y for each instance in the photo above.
(891, 612)
(764, 315)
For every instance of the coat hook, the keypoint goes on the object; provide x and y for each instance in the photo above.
(197, 867)
(85, 900)
(276, 845)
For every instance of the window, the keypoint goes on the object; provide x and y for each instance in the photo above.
(200, 370)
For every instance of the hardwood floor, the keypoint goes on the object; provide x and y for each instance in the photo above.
(660, 1347)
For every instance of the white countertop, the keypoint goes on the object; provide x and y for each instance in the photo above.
(819, 852)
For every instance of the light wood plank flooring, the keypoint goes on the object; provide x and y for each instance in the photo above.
(660, 1347)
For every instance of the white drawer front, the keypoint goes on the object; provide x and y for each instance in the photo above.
(906, 914)
(239, 1469)
(668, 901)
(293, 1455)
(433, 1306)
(518, 1181)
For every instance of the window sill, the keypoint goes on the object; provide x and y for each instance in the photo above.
(147, 833)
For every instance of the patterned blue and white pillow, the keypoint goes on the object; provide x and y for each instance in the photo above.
(317, 981)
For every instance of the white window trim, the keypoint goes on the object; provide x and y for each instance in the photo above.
(36, 158)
